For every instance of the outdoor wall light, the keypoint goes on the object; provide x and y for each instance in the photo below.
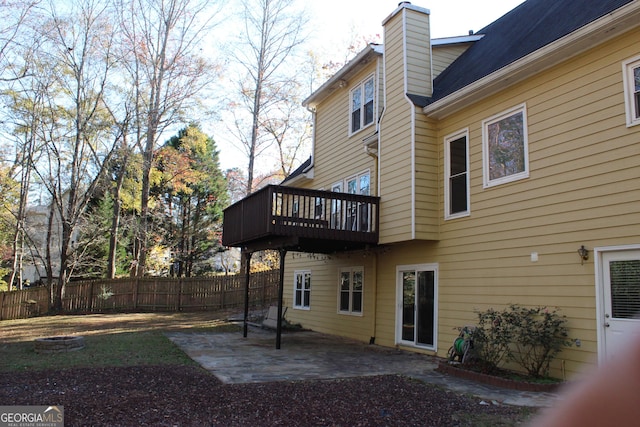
(584, 254)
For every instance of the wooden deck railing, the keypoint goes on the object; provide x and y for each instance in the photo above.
(310, 214)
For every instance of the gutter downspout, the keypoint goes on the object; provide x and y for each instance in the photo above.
(313, 137)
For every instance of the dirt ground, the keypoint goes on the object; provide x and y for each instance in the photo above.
(30, 329)
(178, 395)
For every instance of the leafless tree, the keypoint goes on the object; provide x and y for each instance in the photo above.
(78, 145)
(169, 72)
(16, 44)
(272, 31)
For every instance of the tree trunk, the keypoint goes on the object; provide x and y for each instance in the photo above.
(115, 227)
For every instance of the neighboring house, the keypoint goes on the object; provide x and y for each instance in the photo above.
(34, 261)
(466, 173)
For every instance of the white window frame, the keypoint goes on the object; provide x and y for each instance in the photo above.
(343, 214)
(487, 180)
(447, 174)
(399, 301)
(362, 125)
(631, 95)
(350, 311)
(303, 274)
(336, 217)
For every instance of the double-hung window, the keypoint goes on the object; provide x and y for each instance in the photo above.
(302, 290)
(362, 105)
(631, 77)
(505, 147)
(457, 174)
(351, 289)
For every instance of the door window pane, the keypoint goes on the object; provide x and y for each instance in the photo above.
(408, 305)
(625, 288)
(426, 304)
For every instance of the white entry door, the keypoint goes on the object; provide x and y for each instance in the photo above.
(621, 302)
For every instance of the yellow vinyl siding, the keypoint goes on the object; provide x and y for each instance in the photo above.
(418, 54)
(443, 56)
(388, 258)
(323, 314)
(427, 178)
(582, 190)
(395, 146)
(338, 155)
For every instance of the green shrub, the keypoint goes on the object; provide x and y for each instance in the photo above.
(530, 337)
(490, 340)
(538, 335)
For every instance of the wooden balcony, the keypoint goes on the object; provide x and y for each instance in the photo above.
(277, 217)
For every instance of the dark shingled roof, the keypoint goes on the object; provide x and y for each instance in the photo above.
(527, 28)
(299, 170)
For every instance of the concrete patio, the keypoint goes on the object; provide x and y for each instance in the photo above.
(307, 355)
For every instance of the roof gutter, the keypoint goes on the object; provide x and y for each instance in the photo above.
(340, 79)
(584, 38)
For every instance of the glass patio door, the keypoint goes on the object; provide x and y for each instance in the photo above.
(416, 318)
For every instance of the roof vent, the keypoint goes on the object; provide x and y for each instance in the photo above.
(404, 3)
(470, 32)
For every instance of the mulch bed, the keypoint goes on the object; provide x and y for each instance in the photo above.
(190, 396)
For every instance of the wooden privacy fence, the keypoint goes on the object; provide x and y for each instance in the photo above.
(146, 294)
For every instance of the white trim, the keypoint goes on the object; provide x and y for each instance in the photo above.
(361, 85)
(456, 39)
(402, 6)
(447, 173)
(351, 270)
(486, 181)
(341, 77)
(399, 295)
(628, 66)
(293, 302)
(599, 283)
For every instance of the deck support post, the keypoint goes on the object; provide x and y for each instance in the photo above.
(283, 255)
(247, 277)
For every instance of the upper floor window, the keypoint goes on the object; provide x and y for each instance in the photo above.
(362, 101)
(456, 175)
(631, 77)
(505, 147)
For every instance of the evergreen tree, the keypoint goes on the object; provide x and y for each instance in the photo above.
(192, 193)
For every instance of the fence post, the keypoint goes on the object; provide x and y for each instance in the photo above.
(223, 289)
(135, 292)
(1, 305)
(90, 303)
